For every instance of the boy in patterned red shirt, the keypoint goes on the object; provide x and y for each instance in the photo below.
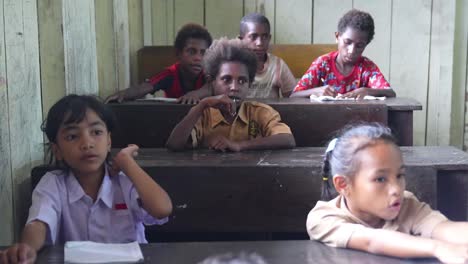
(346, 73)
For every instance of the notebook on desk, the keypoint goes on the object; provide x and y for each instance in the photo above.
(92, 252)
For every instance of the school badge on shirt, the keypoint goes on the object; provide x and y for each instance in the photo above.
(253, 129)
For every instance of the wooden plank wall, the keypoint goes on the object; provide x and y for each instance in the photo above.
(49, 48)
(21, 141)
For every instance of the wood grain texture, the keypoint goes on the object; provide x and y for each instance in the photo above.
(51, 52)
(122, 43)
(79, 37)
(409, 63)
(440, 97)
(6, 192)
(188, 12)
(136, 36)
(147, 22)
(24, 100)
(162, 23)
(106, 49)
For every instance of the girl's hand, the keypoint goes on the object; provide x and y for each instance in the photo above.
(221, 102)
(18, 253)
(120, 161)
(451, 253)
(223, 144)
(325, 90)
(357, 93)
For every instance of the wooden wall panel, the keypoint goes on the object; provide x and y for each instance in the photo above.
(440, 73)
(147, 22)
(295, 15)
(24, 99)
(79, 36)
(121, 43)
(188, 12)
(6, 192)
(265, 7)
(135, 31)
(379, 49)
(162, 13)
(106, 49)
(409, 63)
(51, 52)
(222, 17)
(326, 14)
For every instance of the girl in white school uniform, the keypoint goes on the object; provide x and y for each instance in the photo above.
(372, 211)
(88, 199)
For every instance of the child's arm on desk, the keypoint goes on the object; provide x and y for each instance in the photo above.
(32, 240)
(397, 244)
(278, 141)
(154, 198)
(453, 232)
(363, 91)
(131, 93)
(194, 97)
(181, 132)
(317, 91)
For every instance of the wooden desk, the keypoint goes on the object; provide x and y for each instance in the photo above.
(265, 195)
(274, 252)
(149, 124)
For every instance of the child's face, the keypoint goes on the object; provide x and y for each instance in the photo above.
(375, 193)
(84, 145)
(232, 80)
(257, 38)
(190, 58)
(351, 45)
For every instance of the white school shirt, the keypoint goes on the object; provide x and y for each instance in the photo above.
(115, 217)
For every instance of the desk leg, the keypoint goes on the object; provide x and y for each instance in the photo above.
(452, 196)
(401, 123)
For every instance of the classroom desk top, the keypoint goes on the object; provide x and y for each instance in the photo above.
(149, 123)
(437, 157)
(274, 252)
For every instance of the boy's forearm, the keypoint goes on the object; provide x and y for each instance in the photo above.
(392, 243)
(453, 232)
(181, 132)
(154, 198)
(303, 93)
(34, 234)
(136, 92)
(278, 141)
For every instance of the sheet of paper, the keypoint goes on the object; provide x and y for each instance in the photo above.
(92, 252)
(159, 99)
(331, 98)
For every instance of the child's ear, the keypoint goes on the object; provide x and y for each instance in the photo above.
(337, 34)
(56, 151)
(341, 184)
(239, 37)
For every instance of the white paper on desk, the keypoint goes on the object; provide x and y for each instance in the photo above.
(159, 99)
(331, 98)
(92, 252)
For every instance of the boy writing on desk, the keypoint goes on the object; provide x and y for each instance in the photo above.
(223, 121)
(180, 78)
(346, 73)
(273, 78)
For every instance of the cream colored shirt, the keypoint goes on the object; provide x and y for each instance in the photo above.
(333, 224)
(275, 79)
(254, 120)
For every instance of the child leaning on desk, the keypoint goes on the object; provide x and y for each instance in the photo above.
(88, 198)
(372, 211)
(224, 121)
(346, 72)
(184, 76)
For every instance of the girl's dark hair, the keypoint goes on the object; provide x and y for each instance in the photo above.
(72, 109)
(194, 31)
(342, 159)
(255, 18)
(357, 19)
(228, 50)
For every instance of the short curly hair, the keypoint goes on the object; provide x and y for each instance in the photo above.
(194, 31)
(255, 18)
(357, 19)
(228, 50)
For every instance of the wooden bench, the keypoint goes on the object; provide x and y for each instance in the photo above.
(267, 194)
(149, 124)
(153, 59)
